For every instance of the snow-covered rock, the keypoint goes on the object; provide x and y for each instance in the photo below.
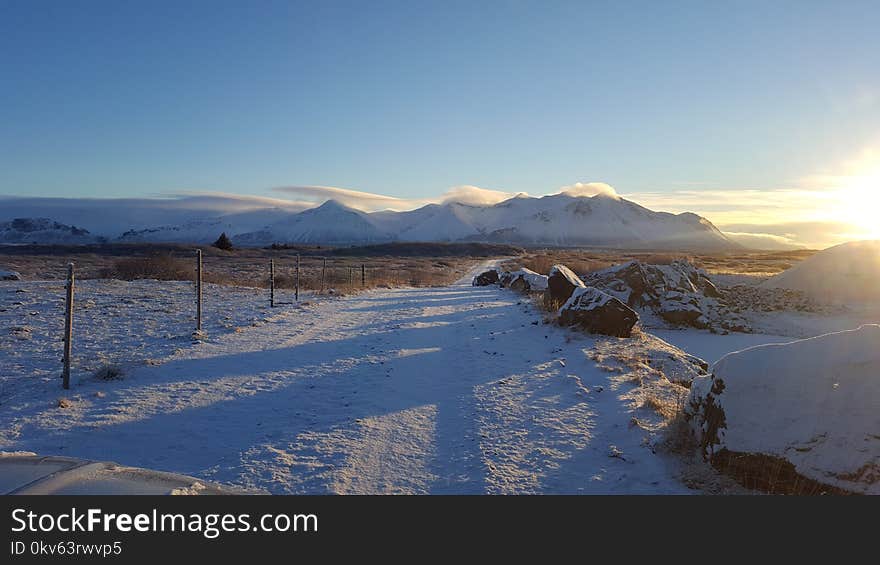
(597, 312)
(846, 273)
(679, 293)
(682, 309)
(486, 278)
(811, 402)
(9, 275)
(525, 280)
(562, 282)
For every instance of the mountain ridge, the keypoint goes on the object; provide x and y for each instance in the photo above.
(554, 220)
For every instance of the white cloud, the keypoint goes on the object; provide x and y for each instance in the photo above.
(589, 189)
(367, 201)
(223, 202)
(763, 240)
(476, 196)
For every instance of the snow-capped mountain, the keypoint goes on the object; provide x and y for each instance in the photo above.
(556, 220)
(43, 230)
(330, 223)
(560, 219)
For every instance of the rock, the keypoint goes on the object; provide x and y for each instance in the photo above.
(505, 278)
(486, 278)
(561, 283)
(597, 312)
(526, 280)
(679, 292)
(807, 407)
(9, 275)
(681, 309)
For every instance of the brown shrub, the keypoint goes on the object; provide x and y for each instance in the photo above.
(160, 266)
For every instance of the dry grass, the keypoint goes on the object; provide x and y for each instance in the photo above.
(161, 267)
(109, 372)
(769, 474)
(544, 261)
(241, 267)
(584, 262)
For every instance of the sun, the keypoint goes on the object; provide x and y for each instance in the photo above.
(858, 202)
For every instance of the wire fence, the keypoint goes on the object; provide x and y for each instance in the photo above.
(281, 282)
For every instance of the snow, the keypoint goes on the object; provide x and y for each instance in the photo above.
(9, 275)
(456, 389)
(586, 298)
(843, 274)
(812, 402)
(535, 280)
(712, 347)
(115, 323)
(560, 219)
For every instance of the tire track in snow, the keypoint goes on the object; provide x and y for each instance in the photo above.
(436, 390)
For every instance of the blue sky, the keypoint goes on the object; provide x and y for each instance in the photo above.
(125, 98)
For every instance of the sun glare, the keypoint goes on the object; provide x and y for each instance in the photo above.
(858, 203)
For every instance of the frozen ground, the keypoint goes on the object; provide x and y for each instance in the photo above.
(116, 322)
(436, 390)
(440, 390)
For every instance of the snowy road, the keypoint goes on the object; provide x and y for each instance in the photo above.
(437, 390)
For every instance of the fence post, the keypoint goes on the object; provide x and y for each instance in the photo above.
(296, 285)
(323, 270)
(363, 275)
(350, 277)
(68, 327)
(198, 290)
(271, 283)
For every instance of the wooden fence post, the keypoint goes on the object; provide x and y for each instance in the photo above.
(272, 283)
(68, 327)
(296, 284)
(323, 270)
(350, 277)
(198, 290)
(363, 275)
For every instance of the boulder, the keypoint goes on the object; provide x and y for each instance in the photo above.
(526, 280)
(809, 405)
(486, 278)
(9, 275)
(681, 309)
(562, 282)
(678, 292)
(505, 278)
(597, 312)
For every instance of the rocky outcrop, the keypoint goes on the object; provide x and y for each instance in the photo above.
(677, 293)
(562, 282)
(597, 312)
(682, 309)
(486, 278)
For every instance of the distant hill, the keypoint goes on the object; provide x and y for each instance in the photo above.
(43, 230)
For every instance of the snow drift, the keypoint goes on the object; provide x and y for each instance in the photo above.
(811, 402)
(846, 273)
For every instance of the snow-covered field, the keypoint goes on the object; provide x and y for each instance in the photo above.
(457, 389)
(116, 323)
(440, 390)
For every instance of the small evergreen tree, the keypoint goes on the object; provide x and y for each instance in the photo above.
(223, 242)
